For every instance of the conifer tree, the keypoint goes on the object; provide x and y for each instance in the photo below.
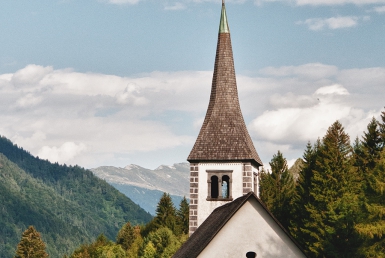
(334, 204)
(372, 145)
(372, 229)
(302, 196)
(31, 245)
(371, 158)
(382, 128)
(126, 236)
(277, 188)
(165, 213)
(183, 216)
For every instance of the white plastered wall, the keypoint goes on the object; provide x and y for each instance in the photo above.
(251, 229)
(206, 207)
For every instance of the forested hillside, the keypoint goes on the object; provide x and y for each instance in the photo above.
(336, 207)
(68, 205)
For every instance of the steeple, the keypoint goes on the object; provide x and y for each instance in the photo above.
(224, 136)
(223, 25)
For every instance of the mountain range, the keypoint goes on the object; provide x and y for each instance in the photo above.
(68, 205)
(145, 186)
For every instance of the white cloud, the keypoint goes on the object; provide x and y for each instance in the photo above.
(331, 23)
(62, 154)
(176, 6)
(96, 119)
(379, 9)
(312, 70)
(28, 100)
(332, 89)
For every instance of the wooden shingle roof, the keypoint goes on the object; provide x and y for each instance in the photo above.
(215, 222)
(224, 136)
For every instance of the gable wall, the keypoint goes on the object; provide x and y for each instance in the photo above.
(251, 229)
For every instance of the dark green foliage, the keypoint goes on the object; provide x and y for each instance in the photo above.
(165, 215)
(370, 156)
(382, 128)
(371, 147)
(277, 189)
(302, 196)
(333, 206)
(183, 216)
(31, 245)
(68, 204)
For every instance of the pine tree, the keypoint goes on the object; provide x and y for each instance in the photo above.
(31, 245)
(334, 204)
(277, 189)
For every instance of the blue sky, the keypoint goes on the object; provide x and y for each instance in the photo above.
(115, 82)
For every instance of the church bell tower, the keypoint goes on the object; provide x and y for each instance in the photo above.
(223, 162)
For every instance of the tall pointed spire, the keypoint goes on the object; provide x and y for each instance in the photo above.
(224, 136)
(223, 25)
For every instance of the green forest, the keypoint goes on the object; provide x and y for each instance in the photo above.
(67, 204)
(333, 201)
(160, 238)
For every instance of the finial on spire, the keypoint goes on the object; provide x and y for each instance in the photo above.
(223, 26)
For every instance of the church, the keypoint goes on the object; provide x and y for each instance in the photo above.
(227, 219)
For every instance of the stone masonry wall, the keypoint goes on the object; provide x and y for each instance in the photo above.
(193, 220)
(247, 178)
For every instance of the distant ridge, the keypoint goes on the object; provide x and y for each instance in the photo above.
(145, 186)
(67, 204)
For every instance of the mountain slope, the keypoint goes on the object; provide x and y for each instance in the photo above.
(68, 205)
(146, 186)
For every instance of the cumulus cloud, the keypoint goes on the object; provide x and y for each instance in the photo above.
(312, 70)
(332, 89)
(292, 118)
(96, 119)
(332, 23)
(28, 100)
(62, 154)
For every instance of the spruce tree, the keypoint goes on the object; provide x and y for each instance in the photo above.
(277, 189)
(372, 161)
(302, 196)
(382, 128)
(372, 145)
(372, 229)
(183, 216)
(165, 213)
(31, 245)
(334, 204)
